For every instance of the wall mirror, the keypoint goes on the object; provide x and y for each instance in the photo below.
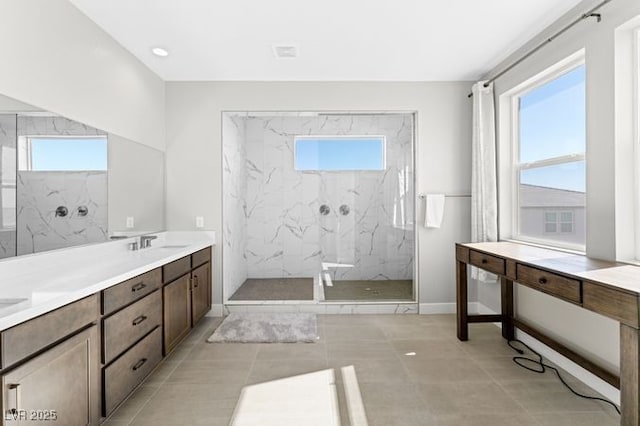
(64, 183)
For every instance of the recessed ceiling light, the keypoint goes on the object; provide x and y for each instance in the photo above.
(159, 51)
(285, 50)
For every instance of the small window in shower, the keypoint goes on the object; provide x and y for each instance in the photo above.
(65, 153)
(339, 153)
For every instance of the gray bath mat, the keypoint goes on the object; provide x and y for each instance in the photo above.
(267, 328)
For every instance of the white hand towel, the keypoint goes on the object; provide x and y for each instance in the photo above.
(434, 210)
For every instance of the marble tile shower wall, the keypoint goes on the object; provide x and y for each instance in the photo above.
(234, 266)
(286, 235)
(7, 185)
(39, 193)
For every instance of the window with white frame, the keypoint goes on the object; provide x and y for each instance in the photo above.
(549, 190)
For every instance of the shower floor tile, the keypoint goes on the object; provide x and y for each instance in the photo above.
(275, 289)
(377, 290)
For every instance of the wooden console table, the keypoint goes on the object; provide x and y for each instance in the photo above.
(608, 288)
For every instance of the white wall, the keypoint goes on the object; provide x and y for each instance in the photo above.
(57, 59)
(443, 157)
(588, 333)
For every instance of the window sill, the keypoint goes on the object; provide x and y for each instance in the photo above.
(546, 246)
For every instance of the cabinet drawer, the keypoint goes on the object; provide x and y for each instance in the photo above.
(125, 373)
(547, 282)
(129, 291)
(487, 262)
(27, 338)
(200, 257)
(176, 269)
(127, 326)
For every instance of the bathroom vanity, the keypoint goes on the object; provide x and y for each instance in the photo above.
(71, 353)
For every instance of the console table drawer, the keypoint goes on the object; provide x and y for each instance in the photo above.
(487, 262)
(548, 282)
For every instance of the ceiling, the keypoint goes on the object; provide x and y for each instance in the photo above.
(338, 40)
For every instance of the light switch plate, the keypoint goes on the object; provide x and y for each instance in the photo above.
(199, 222)
(129, 222)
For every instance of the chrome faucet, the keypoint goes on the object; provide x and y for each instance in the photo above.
(145, 240)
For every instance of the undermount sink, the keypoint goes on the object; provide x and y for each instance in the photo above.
(175, 246)
(5, 303)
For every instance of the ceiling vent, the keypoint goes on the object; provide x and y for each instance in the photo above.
(285, 50)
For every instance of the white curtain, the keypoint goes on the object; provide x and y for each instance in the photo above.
(484, 200)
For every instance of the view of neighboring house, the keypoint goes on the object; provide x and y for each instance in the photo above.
(552, 214)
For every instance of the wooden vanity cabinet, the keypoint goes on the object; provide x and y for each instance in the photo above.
(131, 336)
(186, 294)
(58, 378)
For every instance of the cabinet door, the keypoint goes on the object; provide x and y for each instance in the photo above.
(177, 312)
(60, 386)
(201, 283)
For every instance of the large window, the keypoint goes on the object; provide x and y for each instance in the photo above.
(549, 161)
(335, 153)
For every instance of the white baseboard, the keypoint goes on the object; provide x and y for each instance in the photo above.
(585, 376)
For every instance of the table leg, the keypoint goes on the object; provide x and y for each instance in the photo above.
(629, 376)
(507, 308)
(461, 301)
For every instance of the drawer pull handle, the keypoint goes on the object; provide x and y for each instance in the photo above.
(139, 364)
(484, 261)
(542, 280)
(138, 287)
(195, 282)
(139, 320)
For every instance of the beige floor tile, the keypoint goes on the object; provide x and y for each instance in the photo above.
(392, 396)
(504, 369)
(468, 398)
(235, 351)
(267, 370)
(405, 417)
(485, 420)
(214, 371)
(360, 350)
(550, 396)
(292, 350)
(186, 411)
(356, 333)
(134, 403)
(172, 394)
(429, 349)
(373, 370)
(442, 370)
(414, 331)
(115, 423)
(577, 419)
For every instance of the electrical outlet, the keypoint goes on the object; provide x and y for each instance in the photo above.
(199, 222)
(129, 222)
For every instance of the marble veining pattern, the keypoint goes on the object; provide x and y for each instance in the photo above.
(8, 132)
(234, 233)
(286, 236)
(40, 193)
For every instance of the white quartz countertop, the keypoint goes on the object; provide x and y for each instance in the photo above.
(33, 285)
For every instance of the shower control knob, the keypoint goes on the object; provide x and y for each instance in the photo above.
(324, 210)
(344, 210)
(61, 211)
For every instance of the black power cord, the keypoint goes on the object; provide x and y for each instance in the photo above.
(541, 368)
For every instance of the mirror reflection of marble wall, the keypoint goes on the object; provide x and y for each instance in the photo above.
(98, 201)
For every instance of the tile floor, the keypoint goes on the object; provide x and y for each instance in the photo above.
(369, 290)
(446, 382)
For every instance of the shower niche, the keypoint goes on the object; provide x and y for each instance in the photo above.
(318, 207)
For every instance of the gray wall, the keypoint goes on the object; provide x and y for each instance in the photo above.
(443, 156)
(63, 62)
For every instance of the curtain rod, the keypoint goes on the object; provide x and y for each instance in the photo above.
(589, 14)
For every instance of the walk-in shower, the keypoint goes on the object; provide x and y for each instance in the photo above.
(318, 206)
